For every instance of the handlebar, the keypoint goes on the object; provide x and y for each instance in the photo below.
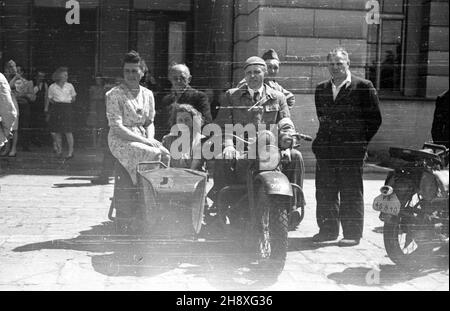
(435, 146)
(303, 136)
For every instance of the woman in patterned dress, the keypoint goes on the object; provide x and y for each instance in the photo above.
(130, 109)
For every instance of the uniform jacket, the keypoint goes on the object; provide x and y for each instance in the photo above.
(347, 124)
(290, 98)
(8, 112)
(234, 108)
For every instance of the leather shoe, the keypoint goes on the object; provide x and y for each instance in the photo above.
(348, 242)
(320, 237)
(68, 157)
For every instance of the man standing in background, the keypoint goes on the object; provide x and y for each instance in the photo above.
(349, 117)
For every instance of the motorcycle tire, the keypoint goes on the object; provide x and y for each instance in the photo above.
(402, 247)
(272, 227)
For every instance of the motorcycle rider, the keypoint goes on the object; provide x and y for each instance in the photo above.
(273, 66)
(235, 110)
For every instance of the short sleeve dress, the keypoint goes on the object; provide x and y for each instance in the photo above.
(135, 113)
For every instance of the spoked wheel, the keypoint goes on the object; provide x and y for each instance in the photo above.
(272, 228)
(408, 238)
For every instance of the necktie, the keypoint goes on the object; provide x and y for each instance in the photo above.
(256, 96)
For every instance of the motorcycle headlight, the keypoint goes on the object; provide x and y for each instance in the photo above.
(269, 158)
(428, 186)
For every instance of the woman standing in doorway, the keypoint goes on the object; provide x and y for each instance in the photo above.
(61, 95)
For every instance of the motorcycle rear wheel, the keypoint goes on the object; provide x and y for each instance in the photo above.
(401, 242)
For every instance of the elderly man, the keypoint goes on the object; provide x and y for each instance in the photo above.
(181, 93)
(349, 116)
(272, 109)
(8, 112)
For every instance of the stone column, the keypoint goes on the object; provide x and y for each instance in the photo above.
(434, 50)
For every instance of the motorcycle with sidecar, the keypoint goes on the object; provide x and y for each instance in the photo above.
(255, 212)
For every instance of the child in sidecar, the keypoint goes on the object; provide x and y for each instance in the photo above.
(182, 120)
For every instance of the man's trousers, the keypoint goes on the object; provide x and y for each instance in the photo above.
(339, 196)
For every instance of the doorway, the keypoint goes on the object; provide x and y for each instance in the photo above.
(162, 38)
(56, 43)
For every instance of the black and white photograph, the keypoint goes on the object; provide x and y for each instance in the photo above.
(233, 147)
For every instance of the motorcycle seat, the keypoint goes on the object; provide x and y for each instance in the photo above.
(411, 155)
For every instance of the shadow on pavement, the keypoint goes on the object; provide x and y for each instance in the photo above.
(79, 178)
(307, 244)
(221, 263)
(386, 275)
(75, 185)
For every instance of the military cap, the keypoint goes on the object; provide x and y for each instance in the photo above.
(270, 54)
(254, 60)
(10, 63)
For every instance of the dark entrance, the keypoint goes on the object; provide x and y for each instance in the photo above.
(56, 43)
(161, 38)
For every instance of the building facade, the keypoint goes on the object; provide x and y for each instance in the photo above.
(401, 45)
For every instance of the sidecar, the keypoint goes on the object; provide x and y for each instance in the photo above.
(172, 199)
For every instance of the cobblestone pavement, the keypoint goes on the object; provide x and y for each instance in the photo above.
(54, 235)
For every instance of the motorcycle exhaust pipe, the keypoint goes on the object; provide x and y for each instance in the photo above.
(386, 190)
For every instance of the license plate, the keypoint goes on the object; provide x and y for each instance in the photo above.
(388, 204)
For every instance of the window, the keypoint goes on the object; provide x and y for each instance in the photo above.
(177, 42)
(146, 41)
(161, 38)
(386, 47)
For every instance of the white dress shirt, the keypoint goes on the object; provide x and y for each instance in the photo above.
(337, 89)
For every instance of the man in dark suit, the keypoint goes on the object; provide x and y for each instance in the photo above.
(440, 129)
(180, 93)
(348, 112)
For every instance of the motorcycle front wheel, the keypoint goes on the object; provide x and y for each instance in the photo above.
(272, 227)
